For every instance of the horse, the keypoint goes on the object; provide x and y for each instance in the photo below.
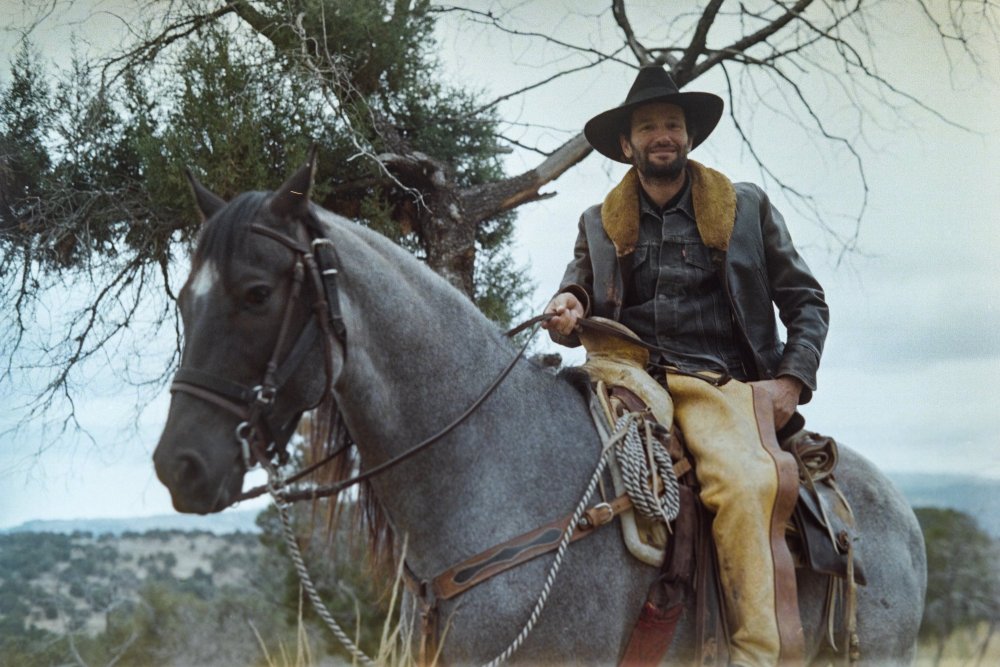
(403, 354)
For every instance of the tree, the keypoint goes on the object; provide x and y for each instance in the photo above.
(409, 155)
(97, 196)
(963, 580)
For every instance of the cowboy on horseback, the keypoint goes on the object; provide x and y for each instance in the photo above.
(694, 264)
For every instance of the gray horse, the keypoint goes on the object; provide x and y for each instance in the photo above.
(414, 354)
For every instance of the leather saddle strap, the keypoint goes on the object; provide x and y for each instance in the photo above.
(515, 551)
(651, 636)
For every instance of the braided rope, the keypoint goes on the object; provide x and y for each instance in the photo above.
(625, 426)
(303, 572)
(638, 477)
(622, 427)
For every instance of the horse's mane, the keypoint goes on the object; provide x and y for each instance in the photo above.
(414, 270)
(225, 234)
(363, 514)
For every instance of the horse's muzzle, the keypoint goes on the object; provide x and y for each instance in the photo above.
(194, 487)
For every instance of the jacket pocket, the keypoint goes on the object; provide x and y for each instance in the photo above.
(699, 255)
(644, 275)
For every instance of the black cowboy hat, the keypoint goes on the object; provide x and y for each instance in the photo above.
(702, 111)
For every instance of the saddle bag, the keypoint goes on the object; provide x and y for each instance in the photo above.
(823, 520)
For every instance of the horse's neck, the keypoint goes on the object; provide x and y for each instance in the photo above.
(417, 349)
(418, 355)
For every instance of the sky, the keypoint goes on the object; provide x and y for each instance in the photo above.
(909, 374)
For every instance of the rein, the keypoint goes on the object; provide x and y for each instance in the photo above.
(257, 433)
(336, 488)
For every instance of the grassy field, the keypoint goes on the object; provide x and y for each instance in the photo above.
(965, 648)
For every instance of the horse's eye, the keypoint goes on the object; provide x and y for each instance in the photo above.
(258, 294)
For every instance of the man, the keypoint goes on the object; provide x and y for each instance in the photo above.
(695, 264)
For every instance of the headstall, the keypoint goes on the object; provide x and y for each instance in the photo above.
(258, 431)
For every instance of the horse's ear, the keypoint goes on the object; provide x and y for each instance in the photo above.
(292, 198)
(208, 202)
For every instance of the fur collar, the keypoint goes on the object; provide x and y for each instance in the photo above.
(712, 195)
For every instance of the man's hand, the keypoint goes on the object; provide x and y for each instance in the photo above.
(784, 393)
(567, 309)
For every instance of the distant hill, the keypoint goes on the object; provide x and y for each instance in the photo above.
(977, 496)
(230, 521)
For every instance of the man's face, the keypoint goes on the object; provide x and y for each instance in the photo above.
(658, 142)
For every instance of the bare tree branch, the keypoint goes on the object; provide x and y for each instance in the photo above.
(488, 18)
(546, 80)
(640, 52)
(148, 49)
(485, 201)
(696, 47)
(744, 44)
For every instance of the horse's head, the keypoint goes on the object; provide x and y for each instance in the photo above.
(254, 352)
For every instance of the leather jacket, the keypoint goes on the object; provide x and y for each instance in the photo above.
(761, 269)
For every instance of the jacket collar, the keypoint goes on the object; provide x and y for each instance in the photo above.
(712, 195)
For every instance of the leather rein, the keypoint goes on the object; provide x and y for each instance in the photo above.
(258, 433)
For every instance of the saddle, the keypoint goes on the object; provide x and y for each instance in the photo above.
(821, 536)
(614, 378)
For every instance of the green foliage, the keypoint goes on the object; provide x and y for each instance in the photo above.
(23, 127)
(31, 555)
(163, 619)
(94, 173)
(963, 576)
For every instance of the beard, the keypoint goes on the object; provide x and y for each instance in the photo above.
(659, 171)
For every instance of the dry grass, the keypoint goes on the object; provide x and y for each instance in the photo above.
(967, 647)
(302, 655)
(394, 645)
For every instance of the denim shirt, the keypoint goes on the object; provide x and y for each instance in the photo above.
(675, 299)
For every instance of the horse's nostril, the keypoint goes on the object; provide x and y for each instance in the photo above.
(190, 470)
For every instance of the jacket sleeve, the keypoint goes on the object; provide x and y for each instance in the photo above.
(800, 300)
(578, 280)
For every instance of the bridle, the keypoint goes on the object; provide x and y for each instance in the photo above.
(258, 433)
(261, 436)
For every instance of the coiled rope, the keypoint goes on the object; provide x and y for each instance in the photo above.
(640, 481)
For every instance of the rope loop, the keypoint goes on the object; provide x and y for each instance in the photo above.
(634, 452)
(273, 484)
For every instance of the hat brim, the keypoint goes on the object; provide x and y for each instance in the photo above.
(702, 112)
